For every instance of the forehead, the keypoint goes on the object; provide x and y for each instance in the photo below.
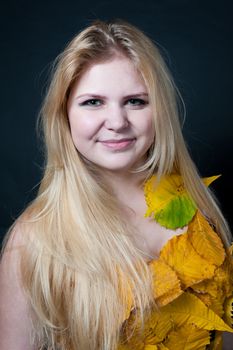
(117, 75)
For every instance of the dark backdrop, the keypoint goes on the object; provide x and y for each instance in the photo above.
(196, 41)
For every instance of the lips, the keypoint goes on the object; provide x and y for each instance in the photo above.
(118, 144)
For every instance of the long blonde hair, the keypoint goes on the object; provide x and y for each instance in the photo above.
(80, 265)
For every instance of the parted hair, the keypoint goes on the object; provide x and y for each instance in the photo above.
(80, 261)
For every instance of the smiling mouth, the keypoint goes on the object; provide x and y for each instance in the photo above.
(118, 144)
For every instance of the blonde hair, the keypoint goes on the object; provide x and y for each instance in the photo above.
(80, 265)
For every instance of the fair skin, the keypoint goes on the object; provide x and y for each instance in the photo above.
(15, 324)
(110, 116)
(111, 125)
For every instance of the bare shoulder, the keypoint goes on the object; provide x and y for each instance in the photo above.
(12, 252)
(15, 324)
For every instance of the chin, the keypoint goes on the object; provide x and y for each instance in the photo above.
(117, 168)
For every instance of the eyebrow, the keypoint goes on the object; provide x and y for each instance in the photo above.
(102, 96)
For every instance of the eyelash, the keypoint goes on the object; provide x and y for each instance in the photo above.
(88, 102)
(139, 102)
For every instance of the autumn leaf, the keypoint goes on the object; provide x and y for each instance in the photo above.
(169, 203)
(206, 242)
(157, 325)
(156, 347)
(190, 267)
(190, 309)
(224, 276)
(188, 337)
(208, 180)
(217, 288)
(162, 347)
(166, 285)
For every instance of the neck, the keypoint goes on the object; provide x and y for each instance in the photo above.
(128, 189)
(121, 180)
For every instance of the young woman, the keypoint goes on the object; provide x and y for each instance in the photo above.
(124, 246)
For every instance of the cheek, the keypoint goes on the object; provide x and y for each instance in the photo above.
(147, 126)
(82, 127)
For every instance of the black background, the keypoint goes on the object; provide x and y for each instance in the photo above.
(196, 40)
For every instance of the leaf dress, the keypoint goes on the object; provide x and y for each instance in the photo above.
(192, 278)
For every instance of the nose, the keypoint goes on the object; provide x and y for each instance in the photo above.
(116, 118)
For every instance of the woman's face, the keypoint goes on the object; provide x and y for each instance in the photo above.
(110, 115)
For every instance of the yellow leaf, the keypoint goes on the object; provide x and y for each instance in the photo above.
(218, 288)
(166, 285)
(190, 309)
(151, 347)
(162, 347)
(168, 202)
(158, 324)
(217, 305)
(190, 267)
(188, 337)
(224, 276)
(207, 286)
(211, 294)
(130, 346)
(205, 241)
(204, 297)
(156, 327)
(208, 180)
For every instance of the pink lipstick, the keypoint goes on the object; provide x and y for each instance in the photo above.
(118, 144)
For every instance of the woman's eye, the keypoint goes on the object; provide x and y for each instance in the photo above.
(92, 102)
(136, 102)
